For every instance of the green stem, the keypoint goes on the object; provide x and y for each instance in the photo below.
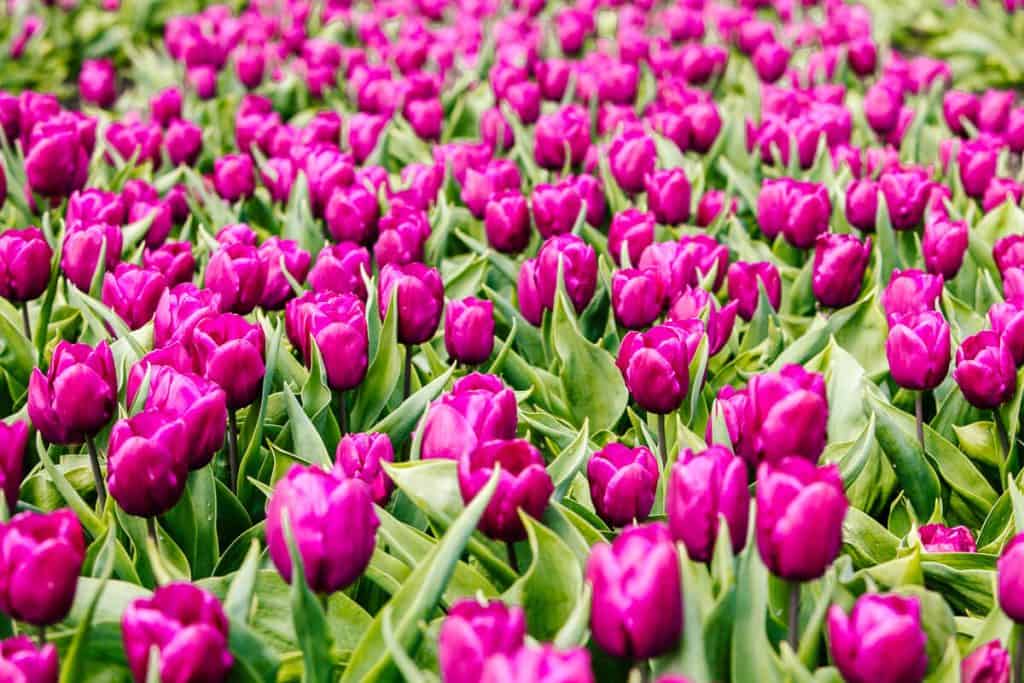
(232, 449)
(919, 416)
(407, 382)
(513, 561)
(662, 440)
(793, 633)
(42, 636)
(97, 473)
(1004, 436)
(342, 414)
(28, 322)
(151, 530)
(1018, 654)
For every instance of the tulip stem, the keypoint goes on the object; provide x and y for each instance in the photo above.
(1018, 654)
(513, 561)
(42, 636)
(919, 415)
(638, 674)
(793, 634)
(151, 530)
(407, 382)
(25, 319)
(342, 414)
(1004, 436)
(97, 473)
(232, 449)
(662, 443)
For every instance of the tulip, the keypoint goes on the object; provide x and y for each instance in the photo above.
(402, 237)
(1014, 133)
(918, 350)
(637, 608)
(634, 229)
(250, 63)
(555, 134)
(425, 117)
(469, 330)
(705, 256)
(238, 274)
(236, 233)
(364, 132)
(701, 489)
(800, 511)
(478, 408)
(179, 310)
(318, 504)
(937, 538)
(799, 210)
(277, 256)
(994, 110)
(787, 416)
(906, 194)
(530, 304)
(341, 269)
(57, 163)
(555, 208)
(203, 79)
(1009, 252)
(165, 106)
(233, 177)
(137, 140)
(839, 265)
(24, 264)
(173, 260)
(351, 215)
(507, 222)
(13, 440)
(990, 663)
(770, 60)
(694, 302)
(1001, 190)
(862, 56)
(419, 295)
(479, 186)
(882, 104)
(862, 204)
(711, 205)
(147, 465)
(278, 176)
(229, 350)
(133, 293)
(21, 661)
(41, 556)
(944, 246)
(539, 664)
(82, 248)
(77, 396)
(495, 130)
(359, 456)
(978, 159)
(910, 291)
(745, 282)
(184, 142)
(187, 627)
(475, 631)
(1013, 285)
(622, 483)
(957, 107)
(655, 366)
(668, 196)
(882, 640)
(592, 192)
(1007, 320)
(523, 98)
(637, 298)
(631, 158)
(97, 82)
(985, 370)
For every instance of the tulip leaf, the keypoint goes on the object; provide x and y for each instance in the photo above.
(41, 333)
(316, 395)
(16, 354)
(307, 444)
(564, 468)
(418, 595)
(308, 618)
(77, 653)
(550, 587)
(467, 280)
(753, 658)
(383, 373)
(888, 258)
(410, 672)
(690, 658)
(399, 423)
(256, 418)
(85, 514)
(239, 597)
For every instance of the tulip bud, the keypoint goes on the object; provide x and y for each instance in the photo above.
(668, 196)
(133, 293)
(862, 204)
(523, 484)
(694, 302)
(1014, 134)
(862, 56)
(507, 221)
(57, 163)
(403, 233)
(770, 60)
(478, 408)
(188, 628)
(994, 110)
(957, 107)
(425, 117)
(944, 246)
(538, 664)
(340, 269)
(495, 130)
(637, 608)
(236, 233)
(555, 208)
(985, 370)
(622, 483)
(24, 264)
(634, 229)
(419, 296)
(1007, 321)
(359, 456)
(839, 265)
(637, 299)
(745, 280)
(906, 195)
(1001, 190)
(77, 396)
(165, 106)
(882, 105)
(238, 274)
(787, 416)
(524, 99)
(97, 82)
(711, 205)
(530, 304)
(990, 663)
(184, 142)
(880, 641)
(592, 193)
(565, 130)
(81, 253)
(911, 291)
(41, 556)
(229, 350)
(351, 215)
(173, 260)
(937, 538)
(233, 177)
(800, 511)
(203, 79)
(469, 330)
(147, 464)
(318, 504)
(631, 158)
(1009, 252)
(918, 349)
(21, 661)
(178, 311)
(701, 489)
(275, 253)
(799, 210)
(978, 159)
(474, 631)
(579, 269)
(250, 63)
(656, 367)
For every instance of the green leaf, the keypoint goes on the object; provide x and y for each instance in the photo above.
(239, 597)
(308, 618)
(383, 374)
(753, 658)
(307, 444)
(399, 423)
(89, 520)
(73, 659)
(564, 468)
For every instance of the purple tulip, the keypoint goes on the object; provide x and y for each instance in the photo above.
(910, 291)
(637, 608)
(351, 215)
(944, 246)
(359, 456)
(906, 194)
(469, 330)
(937, 538)
(425, 117)
(1008, 252)
(478, 408)
(800, 511)
(994, 110)
(276, 253)
(656, 367)
(668, 195)
(77, 396)
(495, 130)
(555, 134)
(1007, 321)
(839, 265)
(340, 269)
(41, 556)
(179, 310)
(579, 268)
(523, 484)
(233, 177)
(918, 350)
(694, 302)
(188, 628)
(632, 157)
(507, 221)
(229, 350)
(882, 104)
(705, 255)
(999, 191)
(862, 204)
(701, 489)
(622, 483)
(22, 662)
(278, 176)
(711, 205)
(473, 632)
(957, 107)
(770, 60)
(797, 209)
(184, 142)
(745, 280)
(990, 663)
(555, 208)
(419, 296)
(97, 82)
(880, 641)
(13, 440)
(978, 159)
(57, 162)
(174, 260)
(250, 64)
(147, 465)
(539, 664)
(133, 293)
(318, 504)
(238, 274)
(637, 298)
(24, 264)
(634, 229)
(787, 416)
(165, 106)
(479, 186)
(82, 247)
(985, 370)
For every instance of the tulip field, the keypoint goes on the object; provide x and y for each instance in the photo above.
(511, 341)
